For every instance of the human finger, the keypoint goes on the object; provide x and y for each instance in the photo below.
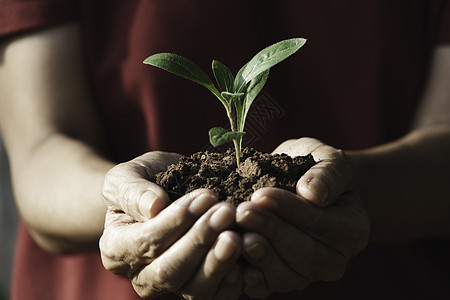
(210, 280)
(126, 244)
(328, 178)
(171, 270)
(231, 286)
(344, 226)
(294, 254)
(255, 284)
(128, 185)
(280, 275)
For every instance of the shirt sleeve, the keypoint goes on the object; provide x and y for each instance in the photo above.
(18, 16)
(443, 34)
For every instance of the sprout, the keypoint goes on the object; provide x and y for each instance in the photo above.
(236, 94)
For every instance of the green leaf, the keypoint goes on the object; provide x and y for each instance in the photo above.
(239, 80)
(219, 136)
(266, 59)
(223, 76)
(253, 89)
(183, 67)
(231, 97)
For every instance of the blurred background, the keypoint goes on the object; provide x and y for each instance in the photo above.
(8, 225)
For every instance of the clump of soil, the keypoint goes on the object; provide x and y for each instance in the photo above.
(218, 172)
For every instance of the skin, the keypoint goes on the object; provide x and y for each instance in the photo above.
(325, 223)
(320, 233)
(185, 248)
(53, 140)
(405, 201)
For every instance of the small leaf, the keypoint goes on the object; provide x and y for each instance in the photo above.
(266, 59)
(239, 80)
(183, 67)
(219, 136)
(223, 76)
(253, 89)
(255, 86)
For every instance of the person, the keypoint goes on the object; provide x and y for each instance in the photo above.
(81, 117)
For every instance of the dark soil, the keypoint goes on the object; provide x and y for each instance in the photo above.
(217, 171)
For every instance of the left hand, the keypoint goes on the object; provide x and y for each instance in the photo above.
(291, 239)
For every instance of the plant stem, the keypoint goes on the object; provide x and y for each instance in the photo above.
(237, 147)
(237, 142)
(232, 118)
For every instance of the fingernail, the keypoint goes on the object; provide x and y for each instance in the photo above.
(234, 275)
(318, 188)
(222, 218)
(202, 203)
(267, 202)
(251, 219)
(146, 203)
(252, 279)
(225, 248)
(255, 251)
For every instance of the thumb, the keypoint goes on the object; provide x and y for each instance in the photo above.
(127, 187)
(137, 197)
(328, 179)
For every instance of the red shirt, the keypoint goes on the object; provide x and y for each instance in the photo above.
(355, 84)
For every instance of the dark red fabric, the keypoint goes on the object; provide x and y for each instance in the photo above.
(23, 15)
(43, 276)
(361, 70)
(355, 84)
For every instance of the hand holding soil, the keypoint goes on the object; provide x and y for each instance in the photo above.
(184, 248)
(298, 218)
(187, 247)
(291, 240)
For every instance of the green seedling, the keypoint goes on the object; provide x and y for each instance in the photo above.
(235, 93)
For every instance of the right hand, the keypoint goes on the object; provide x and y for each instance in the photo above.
(293, 239)
(183, 248)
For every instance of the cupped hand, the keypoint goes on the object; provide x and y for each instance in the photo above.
(293, 239)
(184, 248)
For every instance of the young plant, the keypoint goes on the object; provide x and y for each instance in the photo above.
(235, 93)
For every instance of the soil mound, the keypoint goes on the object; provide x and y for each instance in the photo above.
(218, 172)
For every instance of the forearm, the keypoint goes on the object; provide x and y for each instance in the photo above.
(405, 185)
(52, 133)
(58, 190)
